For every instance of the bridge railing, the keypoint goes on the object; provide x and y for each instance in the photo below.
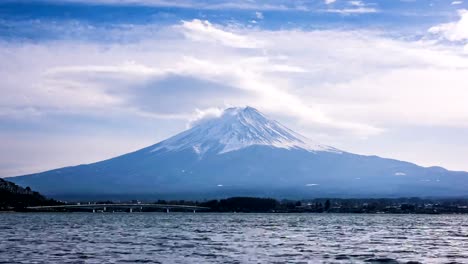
(130, 206)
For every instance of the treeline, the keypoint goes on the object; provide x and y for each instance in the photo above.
(14, 197)
(242, 204)
(384, 205)
(265, 205)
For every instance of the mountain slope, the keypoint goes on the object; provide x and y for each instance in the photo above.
(235, 129)
(244, 153)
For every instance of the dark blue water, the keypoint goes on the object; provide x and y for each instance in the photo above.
(231, 238)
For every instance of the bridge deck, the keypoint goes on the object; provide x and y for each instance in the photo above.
(122, 205)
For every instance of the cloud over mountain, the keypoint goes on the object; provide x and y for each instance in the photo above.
(358, 87)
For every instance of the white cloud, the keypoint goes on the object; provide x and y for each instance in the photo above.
(205, 5)
(319, 82)
(356, 3)
(454, 31)
(286, 73)
(127, 68)
(457, 2)
(328, 2)
(203, 115)
(177, 3)
(356, 7)
(259, 15)
(349, 11)
(199, 30)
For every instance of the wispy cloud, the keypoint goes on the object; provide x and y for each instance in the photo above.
(454, 31)
(206, 5)
(199, 30)
(264, 66)
(357, 3)
(324, 83)
(354, 7)
(348, 11)
(259, 15)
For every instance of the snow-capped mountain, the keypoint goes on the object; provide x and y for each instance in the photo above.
(238, 128)
(242, 152)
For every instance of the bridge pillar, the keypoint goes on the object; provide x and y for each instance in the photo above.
(104, 209)
(167, 210)
(194, 211)
(94, 210)
(131, 210)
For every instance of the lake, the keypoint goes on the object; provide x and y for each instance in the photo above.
(231, 238)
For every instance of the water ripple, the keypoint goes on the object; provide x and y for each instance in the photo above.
(232, 238)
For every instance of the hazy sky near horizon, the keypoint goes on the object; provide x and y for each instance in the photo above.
(86, 80)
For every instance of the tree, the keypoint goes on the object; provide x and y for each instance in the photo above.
(327, 205)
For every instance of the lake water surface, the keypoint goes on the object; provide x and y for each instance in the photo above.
(231, 238)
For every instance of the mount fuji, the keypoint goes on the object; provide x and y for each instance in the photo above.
(242, 152)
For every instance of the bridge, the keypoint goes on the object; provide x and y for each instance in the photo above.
(130, 206)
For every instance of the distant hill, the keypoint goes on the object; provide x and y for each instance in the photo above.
(13, 196)
(243, 153)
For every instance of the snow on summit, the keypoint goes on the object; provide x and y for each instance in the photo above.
(238, 128)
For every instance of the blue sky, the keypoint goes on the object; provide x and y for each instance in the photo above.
(87, 80)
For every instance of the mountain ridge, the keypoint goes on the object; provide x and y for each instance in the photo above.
(242, 152)
(237, 128)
